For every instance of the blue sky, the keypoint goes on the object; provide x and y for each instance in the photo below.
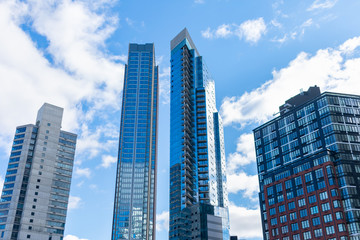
(260, 53)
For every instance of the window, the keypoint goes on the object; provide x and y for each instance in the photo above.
(32, 213)
(314, 210)
(272, 211)
(284, 229)
(341, 227)
(334, 193)
(339, 215)
(283, 219)
(325, 207)
(303, 213)
(318, 232)
(294, 227)
(330, 230)
(308, 177)
(307, 235)
(316, 221)
(336, 204)
(296, 237)
(323, 196)
(305, 224)
(31, 220)
(328, 218)
(312, 199)
(293, 216)
(28, 236)
(300, 192)
(301, 202)
(291, 205)
(281, 208)
(273, 221)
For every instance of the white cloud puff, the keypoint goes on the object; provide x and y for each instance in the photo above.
(162, 221)
(244, 155)
(330, 69)
(107, 161)
(72, 237)
(72, 70)
(248, 184)
(74, 202)
(322, 4)
(244, 222)
(250, 30)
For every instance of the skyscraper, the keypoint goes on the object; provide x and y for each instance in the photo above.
(35, 196)
(197, 155)
(135, 193)
(309, 168)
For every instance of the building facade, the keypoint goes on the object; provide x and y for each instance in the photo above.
(36, 189)
(309, 168)
(197, 153)
(135, 193)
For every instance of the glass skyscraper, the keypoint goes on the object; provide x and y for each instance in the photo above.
(197, 154)
(35, 195)
(135, 193)
(308, 161)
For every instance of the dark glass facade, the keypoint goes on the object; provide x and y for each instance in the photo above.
(309, 168)
(135, 193)
(197, 154)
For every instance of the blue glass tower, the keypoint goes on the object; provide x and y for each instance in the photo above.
(135, 193)
(197, 154)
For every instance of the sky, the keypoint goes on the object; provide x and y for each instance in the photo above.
(259, 52)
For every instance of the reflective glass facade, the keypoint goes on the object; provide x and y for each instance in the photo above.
(197, 154)
(309, 168)
(36, 190)
(135, 193)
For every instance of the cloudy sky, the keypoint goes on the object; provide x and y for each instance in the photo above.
(260, 53)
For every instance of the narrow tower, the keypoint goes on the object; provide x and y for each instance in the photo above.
(135, 192)
(35, 196)
(197, 154)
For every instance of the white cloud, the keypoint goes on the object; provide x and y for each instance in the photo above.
(199, 1)
(92, 142)
(350, 45)
(223, 31)
(72, 237)
(162, 221)
(107, 161)
(244, 222)
(82, 172)
(74, 202)
(251, 30)
(328, 68)
(248, 184)
(164, 80)
(207, 33)
(79, 73)
(322, 4)
(244, 155)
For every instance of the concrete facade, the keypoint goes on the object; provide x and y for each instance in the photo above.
(36, 189)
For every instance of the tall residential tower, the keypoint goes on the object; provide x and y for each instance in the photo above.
(198, 194)
(309, 168)
(135, 193)
(35, 196)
